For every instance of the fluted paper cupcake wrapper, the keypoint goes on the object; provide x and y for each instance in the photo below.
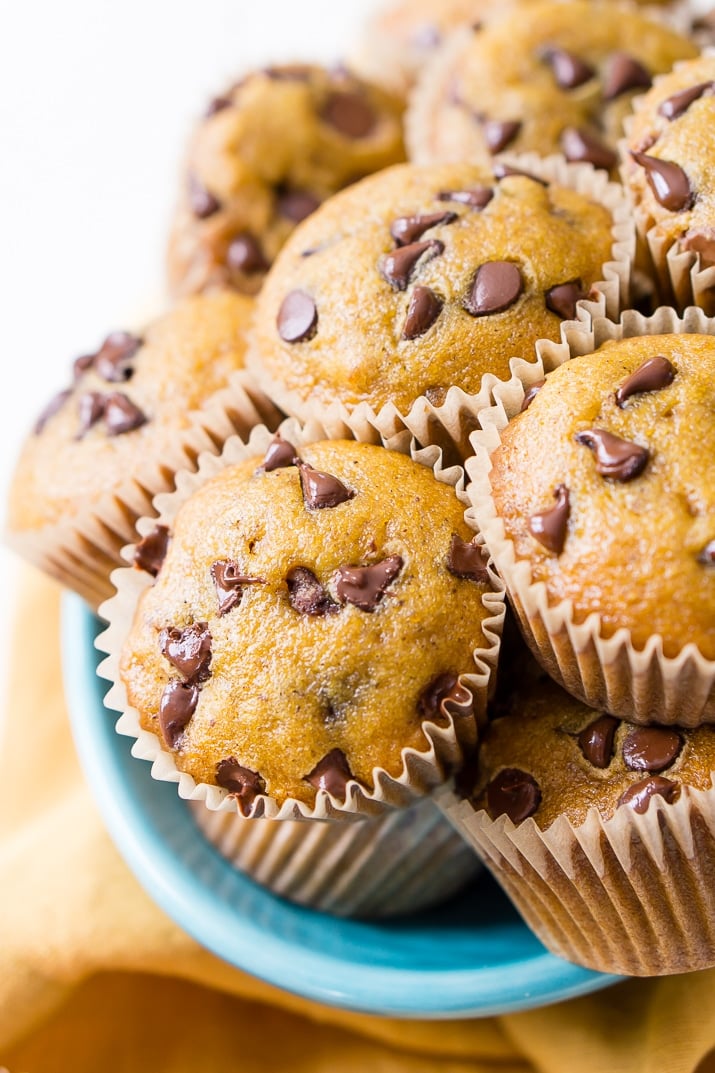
(608, 673)
(422, 770)
(82, 553)
(632, 895)
(408, 860)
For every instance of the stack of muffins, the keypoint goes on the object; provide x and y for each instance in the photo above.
(398, 517)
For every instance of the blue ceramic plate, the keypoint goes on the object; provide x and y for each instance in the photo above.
(472, 957)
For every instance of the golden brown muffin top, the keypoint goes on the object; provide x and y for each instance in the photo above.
(604, 485)
(307, 619)
(549, 76)
(419, 278)
(126, 405)
(268, 151)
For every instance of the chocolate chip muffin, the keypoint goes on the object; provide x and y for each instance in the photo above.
(667, 167)
(420, 278)
(550, 77)
(304, 643)
(267, 152)
(138, 408)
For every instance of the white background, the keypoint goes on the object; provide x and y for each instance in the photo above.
(97, 98)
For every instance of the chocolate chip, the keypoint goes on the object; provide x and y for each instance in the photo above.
(53, 406)
(244, 254)
(177, 705)
(279, 454)
(669, 183)
(639, 794)
(121, 414)
(218, 104)
(321, 490)
(229, 581)
(651, 748)
(578, 144)
(297, 317)
(498, 134)
(616, 458)
(81, 365)
(700, 240)
(396, 268)
(364, 586)
(506, 171)
(424, 308)
(331, 774)
(150, 552)
(203, 203)
(465, 560)
(653, 375)
(443, 696)
(408, 229)
(477, 198)
(307, 596)
(675, 106)
(531, 393)
(569, 70)
(245, 785)
(513, 793)
(707, 555)
(288, 72)
(562, 298)
(188, 649)
(349, 113)
(596, 740)
(495, 287)
(550, 526)
(91, 407)
(624, 72)
(113, 359)
(296, 205)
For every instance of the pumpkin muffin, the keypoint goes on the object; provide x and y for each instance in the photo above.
(267, 152)
(549, 77)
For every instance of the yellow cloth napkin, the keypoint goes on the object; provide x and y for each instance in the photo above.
(94, 977)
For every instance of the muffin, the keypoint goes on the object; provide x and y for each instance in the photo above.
(267, 152)
(140, 407)
(421, 279)
(547, 76)
(600, 514)
(667, 158)
(600, 831)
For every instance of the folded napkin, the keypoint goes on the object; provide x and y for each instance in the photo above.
(93, 976)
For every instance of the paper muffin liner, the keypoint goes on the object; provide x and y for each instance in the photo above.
(632, 895)
(448, 423)
(447, 742)
(405, 861)
(608, 673)
(81, 553)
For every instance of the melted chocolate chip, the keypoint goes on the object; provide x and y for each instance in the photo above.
(562, 298)
(321, 490)
(465, 560)
(596, 740)
(331, 774)
(653, 375)
(408, 229)
(424, 308)
(495, 287)
(121, 414)
(279, 454)
(569, 70)
(513, 793)
(669, 183)
(81, 364)
(477, 198)
(531, 393)
(218, 104)
(229, 582)
(616, 458)
(364, 586)
(297, 317)
(507, 171)
(307, 596)
(296, 205)
(651, 748)
(707, 555)
(700, 240)
(178, 703)
(638, 795)
(350, 114)
(150, 552)
(113, 359)
(53, 406)
(624, 72)
(443, 696)
(245, 785)
(91, 407)
(244, 254)
(188, 649)
(550, 526)
(397, 268)
(203, 203)
(678, 104)
(579, 144)
(498, 134)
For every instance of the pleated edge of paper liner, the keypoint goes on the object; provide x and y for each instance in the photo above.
(681, 280)
(601, 671)
(422, 770)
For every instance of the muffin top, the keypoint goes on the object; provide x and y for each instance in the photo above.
(603, 485)
(551, 77)
(125, 407)
(419, 278)
(310, 614)
(668, 157)
(548, 755)
(267, 152)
